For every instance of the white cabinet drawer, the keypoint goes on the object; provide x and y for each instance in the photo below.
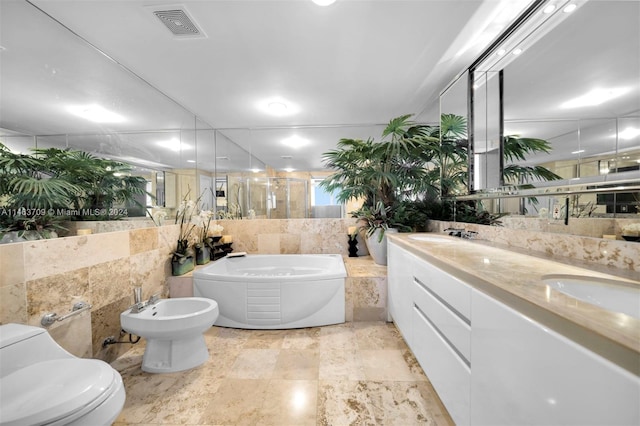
(448, 374)
(453, 328)
(456, 293)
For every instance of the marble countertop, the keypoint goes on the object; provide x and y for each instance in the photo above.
(515, 279)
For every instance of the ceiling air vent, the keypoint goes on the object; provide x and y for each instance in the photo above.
(178, 22)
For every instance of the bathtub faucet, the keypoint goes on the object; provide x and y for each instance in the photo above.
(455, 232)
(461, 233)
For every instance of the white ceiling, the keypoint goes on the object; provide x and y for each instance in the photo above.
(346, 68)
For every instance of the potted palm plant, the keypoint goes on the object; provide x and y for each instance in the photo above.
(382, 174)
(413, 168)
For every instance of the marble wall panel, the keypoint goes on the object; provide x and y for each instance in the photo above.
(74, 334)
(612, 253)
(109, 281)
(44, 258)
(11, 264)
(269, 243)
(56, 293)
(148, 271)
(13, 303)
(105, 322)
(141, 240)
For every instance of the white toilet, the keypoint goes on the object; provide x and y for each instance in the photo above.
(173, 329)
(42, 384)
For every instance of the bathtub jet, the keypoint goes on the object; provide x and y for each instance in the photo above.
(275, 291)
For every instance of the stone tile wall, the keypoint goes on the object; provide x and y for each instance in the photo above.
(39, 277)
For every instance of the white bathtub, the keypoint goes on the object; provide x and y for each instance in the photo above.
(275, 291)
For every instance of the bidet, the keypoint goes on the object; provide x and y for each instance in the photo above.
(173, 329)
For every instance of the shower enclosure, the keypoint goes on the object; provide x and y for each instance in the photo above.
(265, 197)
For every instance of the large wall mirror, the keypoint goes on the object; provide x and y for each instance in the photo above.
(566, 76)
(59, 91)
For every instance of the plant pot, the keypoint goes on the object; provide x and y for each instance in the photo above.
(378, 249)
(178, 268)
(202, 255)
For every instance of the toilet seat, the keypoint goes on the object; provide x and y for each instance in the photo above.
(55, 392)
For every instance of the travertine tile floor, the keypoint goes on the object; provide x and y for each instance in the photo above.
(349, 374)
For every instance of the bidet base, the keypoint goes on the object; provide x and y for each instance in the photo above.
(169, 356)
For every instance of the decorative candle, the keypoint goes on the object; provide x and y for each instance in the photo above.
(84, 231)
(227, 239)
(352, 230)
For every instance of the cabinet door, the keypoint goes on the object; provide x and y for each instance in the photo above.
(526, 374)
(399, 283)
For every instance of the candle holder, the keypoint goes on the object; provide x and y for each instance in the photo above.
(353, 246)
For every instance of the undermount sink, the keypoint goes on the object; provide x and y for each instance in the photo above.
(612, 295)
(430, 238)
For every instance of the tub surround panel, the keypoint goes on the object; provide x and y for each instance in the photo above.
(622, 255)
(289, 236)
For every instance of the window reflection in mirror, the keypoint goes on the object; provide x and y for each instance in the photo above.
(454, 141)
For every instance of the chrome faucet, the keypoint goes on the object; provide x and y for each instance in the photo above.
(469, 235)
(153, 299)
(461, 233)
(136, 308)
(455, 232)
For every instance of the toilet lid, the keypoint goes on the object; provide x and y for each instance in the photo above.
(48, 391)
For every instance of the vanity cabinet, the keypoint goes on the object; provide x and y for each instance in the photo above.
(492, 365)
(524, 373)
(432, 311)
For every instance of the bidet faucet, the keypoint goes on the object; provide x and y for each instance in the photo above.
(136, 308)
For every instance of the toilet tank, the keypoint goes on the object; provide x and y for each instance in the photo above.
(22, 345)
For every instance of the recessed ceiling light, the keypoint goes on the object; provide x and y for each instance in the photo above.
(288, 169)
(277, 106)
(256, 170)
(578, 151)
(501, 52)
(629, 133)
(594, 97)
(324, 2)
(95, 113)
(548, 9)
(295, 142)
(191, 161)
(570, 8)
(517, 51)
(174, 145)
